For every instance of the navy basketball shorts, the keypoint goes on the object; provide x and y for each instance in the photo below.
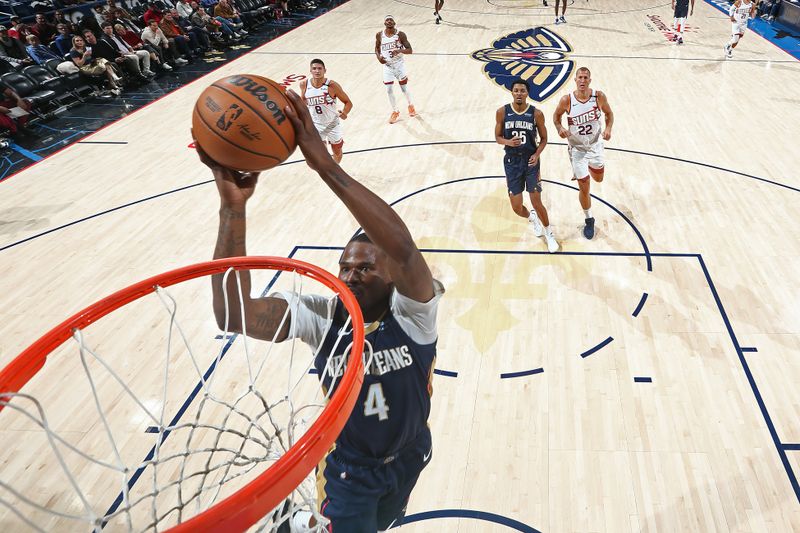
(520, 176)
(364, 495)
(681, 10)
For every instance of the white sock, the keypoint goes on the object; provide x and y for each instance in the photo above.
(390, 91)
(587, 213)
(548, 231)
(406, 92)
(299, 522)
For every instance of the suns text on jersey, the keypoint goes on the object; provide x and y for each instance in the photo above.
(589, 116)
(322, 99)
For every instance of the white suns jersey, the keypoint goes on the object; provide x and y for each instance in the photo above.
(741, 14)
(389, 45)
(583, 119)
(320, 103)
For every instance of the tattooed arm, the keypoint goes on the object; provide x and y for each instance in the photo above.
(263, 315)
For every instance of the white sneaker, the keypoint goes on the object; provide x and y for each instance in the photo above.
(538, 229)
(166, 66)
(728, 51)
(552, 243)
(180, 61)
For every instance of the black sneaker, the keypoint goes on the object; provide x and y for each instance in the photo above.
(588, 229)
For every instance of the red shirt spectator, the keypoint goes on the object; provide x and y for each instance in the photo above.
(153, 13)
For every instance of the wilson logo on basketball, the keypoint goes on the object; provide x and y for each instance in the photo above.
(260, 92)
(537, 55)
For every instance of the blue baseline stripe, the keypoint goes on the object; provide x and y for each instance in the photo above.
(590, 351)
(445, 373)
(27, 153)
(642, 380)
(468, 513)
(764, 412)
(519, 252)
(791, 447)
(641, 304)
(531, 372)
(749, 349)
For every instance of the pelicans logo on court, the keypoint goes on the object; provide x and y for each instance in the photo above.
(537, 55)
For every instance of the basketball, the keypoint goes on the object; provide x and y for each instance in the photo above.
(239, 121)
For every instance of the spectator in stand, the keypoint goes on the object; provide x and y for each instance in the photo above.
(41, 54)
(153, 13)
(105, 50)
(198, 35)
(12, 32)
(121, 12)
(63, 40)
(23, 30)
(768, 9)
(176, 36)
(13, 51)
(88, 22)
(136, 43)
(212, 24)
(208, 5)
(15, 126)
(184, 9)
(224, 10)
(45, 31)
(59, 18)
(153, 35)
(82, 57)
(142, 57)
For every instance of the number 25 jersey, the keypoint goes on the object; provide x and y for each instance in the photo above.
(583, 119)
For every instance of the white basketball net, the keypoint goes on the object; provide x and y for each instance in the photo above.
(243, 419)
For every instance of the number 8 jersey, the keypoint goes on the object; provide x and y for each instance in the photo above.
(320, 103)
(583, 119)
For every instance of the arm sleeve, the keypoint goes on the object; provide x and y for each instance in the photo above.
(310, 316)
(418, 319)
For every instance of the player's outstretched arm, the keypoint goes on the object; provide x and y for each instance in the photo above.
(339, 93)
(561, 108)
(602, 99)
(410, 272)
(263, 315)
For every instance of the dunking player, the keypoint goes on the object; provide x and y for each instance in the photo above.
(584, 107)
(320, 97)
(390, 47)
(437, 7)
(368, 477)
(515, 128)
(561, 19)
(740, 12)
(681, 12)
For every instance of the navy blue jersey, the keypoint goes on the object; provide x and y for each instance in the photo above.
(395, 399)
(522, 125)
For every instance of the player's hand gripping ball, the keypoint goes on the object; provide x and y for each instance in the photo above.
(239, 121)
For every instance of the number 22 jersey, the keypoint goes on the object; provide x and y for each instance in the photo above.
(583, 119)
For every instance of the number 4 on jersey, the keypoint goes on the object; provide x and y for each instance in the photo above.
(375, 404)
